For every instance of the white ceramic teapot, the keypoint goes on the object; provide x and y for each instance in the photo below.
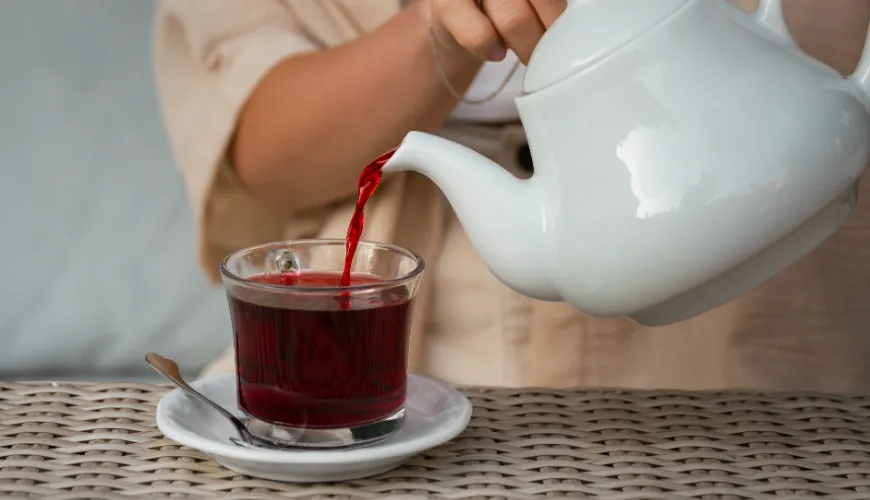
(684, 152)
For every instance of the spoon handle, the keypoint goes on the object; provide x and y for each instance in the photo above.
(170, 370)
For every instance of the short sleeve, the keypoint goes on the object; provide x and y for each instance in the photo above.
(209, 57)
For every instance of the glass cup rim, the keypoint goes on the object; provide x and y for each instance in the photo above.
(384, 284)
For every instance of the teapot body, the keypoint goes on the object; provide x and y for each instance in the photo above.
(691, 164)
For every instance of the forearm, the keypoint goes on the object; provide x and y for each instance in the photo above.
(317, 119)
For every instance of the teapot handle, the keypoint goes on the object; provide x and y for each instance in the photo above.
(769, 16)
(861, 76)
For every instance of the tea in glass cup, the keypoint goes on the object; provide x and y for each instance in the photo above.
(321, 365)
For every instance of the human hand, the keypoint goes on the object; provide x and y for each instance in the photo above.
(487, 28)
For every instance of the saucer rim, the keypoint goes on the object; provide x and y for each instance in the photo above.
(385, 450)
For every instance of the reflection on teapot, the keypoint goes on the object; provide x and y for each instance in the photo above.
(683, 154)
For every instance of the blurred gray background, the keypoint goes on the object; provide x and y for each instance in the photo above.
(97, 236)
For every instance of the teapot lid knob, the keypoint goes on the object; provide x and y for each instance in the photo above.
(589, 30)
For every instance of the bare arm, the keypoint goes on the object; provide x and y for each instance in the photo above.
(316, 119)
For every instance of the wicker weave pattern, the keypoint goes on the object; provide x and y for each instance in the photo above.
(65, 441)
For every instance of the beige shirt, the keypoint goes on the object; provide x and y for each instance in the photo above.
(806, 328)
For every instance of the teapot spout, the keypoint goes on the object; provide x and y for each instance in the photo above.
(502, 215)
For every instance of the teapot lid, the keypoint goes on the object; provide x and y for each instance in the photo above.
(587, 31)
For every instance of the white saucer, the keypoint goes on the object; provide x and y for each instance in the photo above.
(434, 414)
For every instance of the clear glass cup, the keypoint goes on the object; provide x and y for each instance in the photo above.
(319, 365)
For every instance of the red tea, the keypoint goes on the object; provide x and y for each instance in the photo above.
(341, 365)
(369, 180)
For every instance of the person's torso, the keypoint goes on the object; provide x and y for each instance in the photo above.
(803, 329)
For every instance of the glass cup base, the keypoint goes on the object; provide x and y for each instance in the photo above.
(346, 437)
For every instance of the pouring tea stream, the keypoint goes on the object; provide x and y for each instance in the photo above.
(683, 155)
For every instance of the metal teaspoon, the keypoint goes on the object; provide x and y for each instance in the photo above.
(169, 369)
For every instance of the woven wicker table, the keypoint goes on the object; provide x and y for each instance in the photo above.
(66, 441)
